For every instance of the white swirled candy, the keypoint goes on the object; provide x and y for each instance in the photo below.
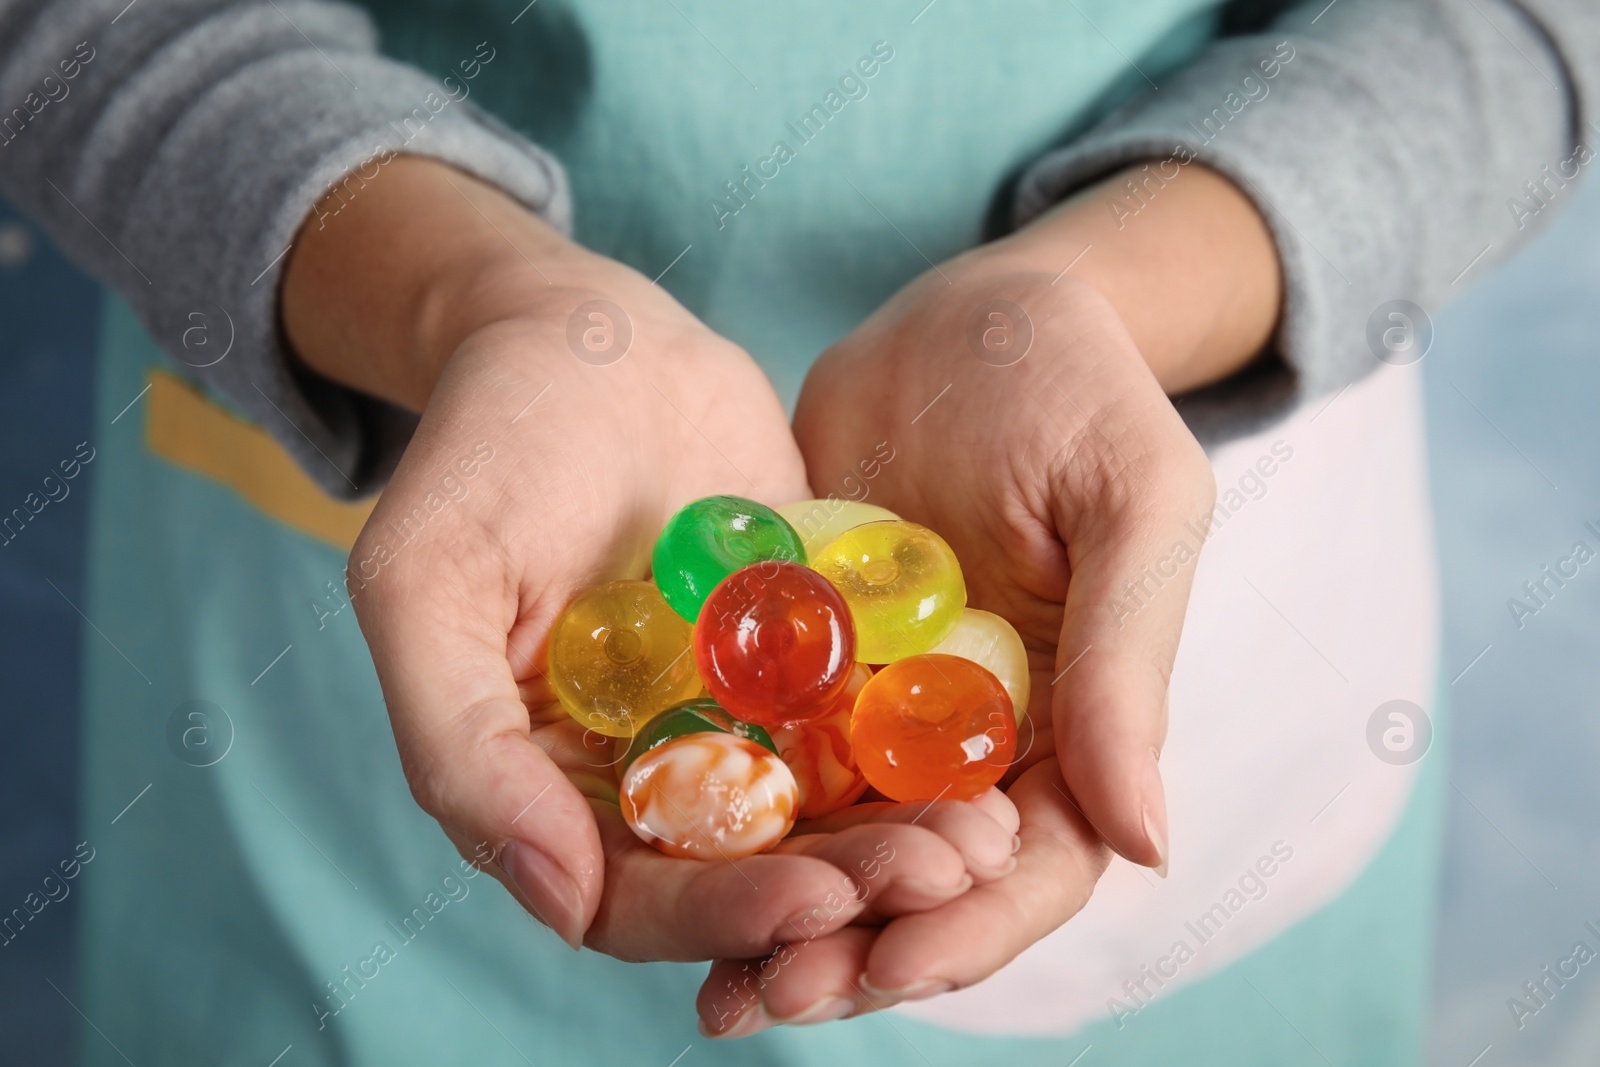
(710, 796)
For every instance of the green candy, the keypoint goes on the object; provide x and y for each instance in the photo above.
(698, 716)
(709, 539)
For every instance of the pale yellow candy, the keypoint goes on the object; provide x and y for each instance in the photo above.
(902, 583)
(989, 641)
(820, 521)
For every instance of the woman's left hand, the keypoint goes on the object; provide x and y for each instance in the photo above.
(1034, 433)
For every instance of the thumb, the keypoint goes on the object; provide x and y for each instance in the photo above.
(1133, 528)
(465, 739)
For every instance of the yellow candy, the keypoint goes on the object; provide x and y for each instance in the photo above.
(903, 586)
(619, 656)
(989, 641)
(820, 521)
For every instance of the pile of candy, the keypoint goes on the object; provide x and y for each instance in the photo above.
(753, 689)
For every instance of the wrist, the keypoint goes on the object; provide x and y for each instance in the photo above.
(379, 291)
(1193, 273)
(461, 298)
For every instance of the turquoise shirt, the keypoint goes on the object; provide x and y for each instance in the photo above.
(783, 169)
(657, 111)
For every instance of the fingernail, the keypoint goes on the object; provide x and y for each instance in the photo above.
(990, 874)
(1016, 844)
(927, 987)
(548, 889)
(751, 1022)
(1155, 812)
(825, 1010)
(940, 892)
(1158, 838)
(812, 921)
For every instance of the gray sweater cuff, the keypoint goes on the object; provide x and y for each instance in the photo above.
(204, 135)
(1380, 144)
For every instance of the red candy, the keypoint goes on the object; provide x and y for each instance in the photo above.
(933, 726)
(817, 750)
(774, 643)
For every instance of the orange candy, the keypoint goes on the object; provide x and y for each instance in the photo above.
(817, 750)
(931, 727)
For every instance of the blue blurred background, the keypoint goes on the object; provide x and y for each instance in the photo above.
(1513, 388)
(49, 316)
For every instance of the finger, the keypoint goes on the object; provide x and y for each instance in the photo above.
(894, 869)
(437, 626)
(982, 831)
(853, 971)
(992, 802)
(1132, 513)
(659, 907)
(999, 807)
(801, 984)
(977, 933)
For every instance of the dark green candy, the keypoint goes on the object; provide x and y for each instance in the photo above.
(709, 539)
(698, 716)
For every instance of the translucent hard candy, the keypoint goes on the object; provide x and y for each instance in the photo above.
(709, 796)
(991, 642)
(700, 715)
(902, 583)
(774, 643)
(818, 751)
(820, 521)
(619, 656)
(932, 727)
(709, 539)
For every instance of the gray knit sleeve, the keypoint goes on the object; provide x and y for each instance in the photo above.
(174, 147)
(1395, 149)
